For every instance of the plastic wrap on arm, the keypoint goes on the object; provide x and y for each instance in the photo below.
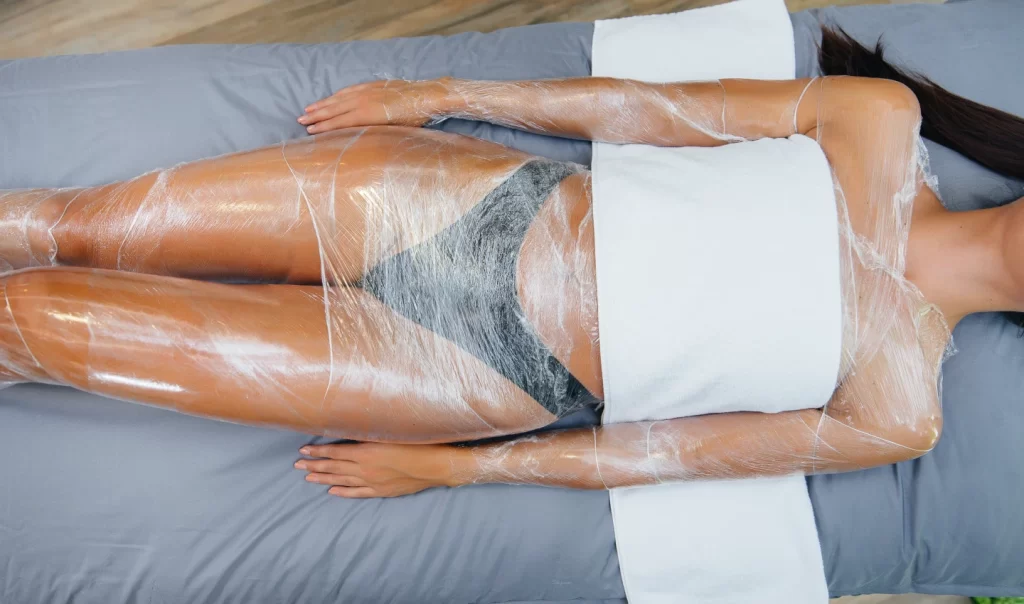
(598, 109)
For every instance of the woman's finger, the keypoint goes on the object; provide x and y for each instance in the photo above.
(340, 480)
(327, 100)
(333, 108)
(346, 120)
(342, 93)
(338, 452)
(329, 466)
(327, 112)
(338, 109)
(353, 492)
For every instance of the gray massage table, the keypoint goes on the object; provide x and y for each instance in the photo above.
(104, 502)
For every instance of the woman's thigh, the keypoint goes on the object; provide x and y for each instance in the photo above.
(306, 211)
(332, 361)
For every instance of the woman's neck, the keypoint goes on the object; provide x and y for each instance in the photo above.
(959, 260)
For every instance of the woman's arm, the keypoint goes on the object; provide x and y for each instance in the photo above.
(885, 413)
(846, 435)
(606, 109)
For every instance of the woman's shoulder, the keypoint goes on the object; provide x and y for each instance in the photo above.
(869, 95)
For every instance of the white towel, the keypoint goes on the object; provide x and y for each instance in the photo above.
(669, 351)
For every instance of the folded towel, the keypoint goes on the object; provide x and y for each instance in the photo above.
(682, 237)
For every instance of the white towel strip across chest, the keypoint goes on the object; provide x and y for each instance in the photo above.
(718, 290)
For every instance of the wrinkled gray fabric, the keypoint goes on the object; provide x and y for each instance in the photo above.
(104, 502)
(107, 502)
(89, 119)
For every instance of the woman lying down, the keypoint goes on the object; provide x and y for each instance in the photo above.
(407, 288)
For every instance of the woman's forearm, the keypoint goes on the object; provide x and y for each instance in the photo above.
(721, 446)
(629, 111)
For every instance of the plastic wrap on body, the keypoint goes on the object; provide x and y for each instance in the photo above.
(391, 302)
(886, 405)
(411, 286)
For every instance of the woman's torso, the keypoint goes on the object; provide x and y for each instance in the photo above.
(428, 180)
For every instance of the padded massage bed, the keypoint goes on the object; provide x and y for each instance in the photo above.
(102, 501)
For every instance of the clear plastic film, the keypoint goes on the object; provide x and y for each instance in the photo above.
(886, 406)
(386, 301)
(405, 285)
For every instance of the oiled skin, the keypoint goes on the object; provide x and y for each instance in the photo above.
(265, 215)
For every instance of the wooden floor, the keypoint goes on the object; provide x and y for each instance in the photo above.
(49, 27)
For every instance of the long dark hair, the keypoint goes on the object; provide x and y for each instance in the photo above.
(986, 135)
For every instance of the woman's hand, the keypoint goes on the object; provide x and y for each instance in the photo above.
(380, 103)
(365, 470)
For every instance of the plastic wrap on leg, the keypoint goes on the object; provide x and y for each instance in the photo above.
(405, 285)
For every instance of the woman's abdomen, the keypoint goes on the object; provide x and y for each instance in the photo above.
(557, 281)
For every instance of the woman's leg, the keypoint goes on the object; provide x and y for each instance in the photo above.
(254, 354)
(321, 210)
(306, 211)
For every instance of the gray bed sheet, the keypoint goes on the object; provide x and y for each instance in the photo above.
(107, 502)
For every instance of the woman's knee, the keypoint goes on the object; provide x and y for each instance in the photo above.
(35, 320)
